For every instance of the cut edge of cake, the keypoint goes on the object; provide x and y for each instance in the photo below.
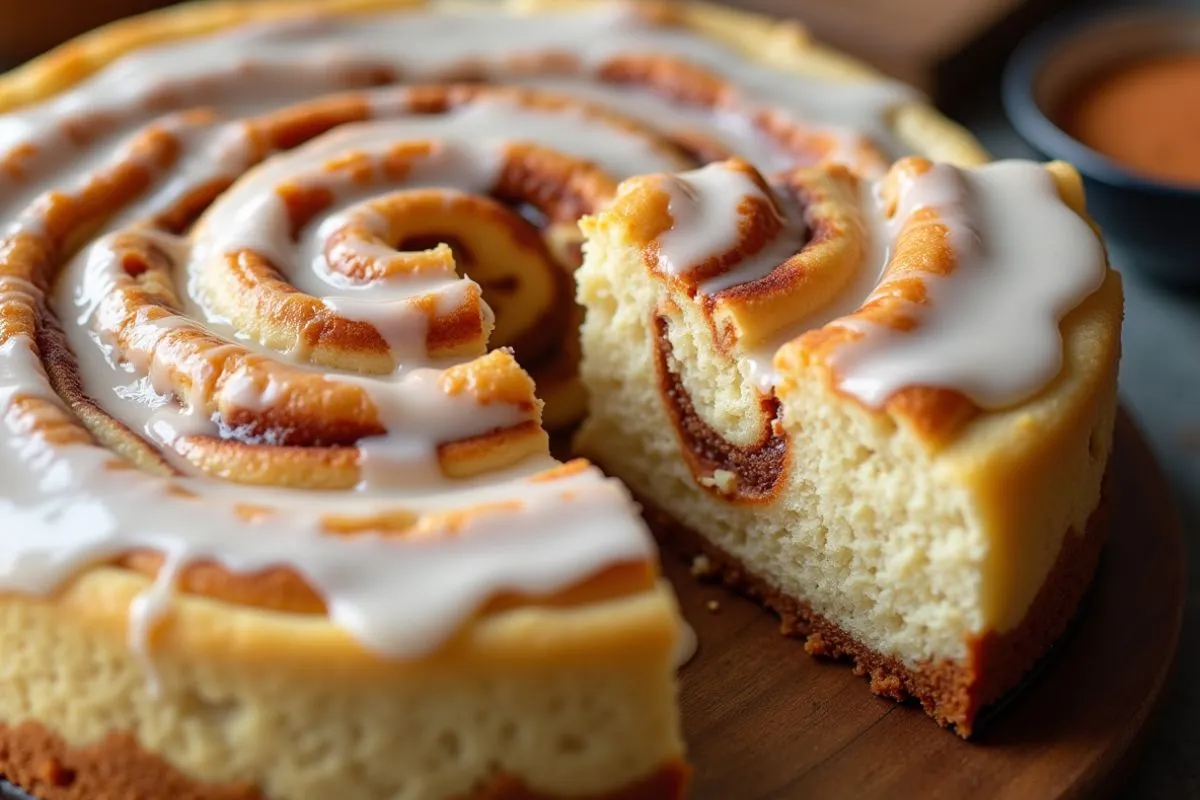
(943, 565)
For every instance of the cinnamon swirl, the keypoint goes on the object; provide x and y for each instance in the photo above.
(285, 319)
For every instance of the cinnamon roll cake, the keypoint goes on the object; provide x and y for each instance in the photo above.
(287, 317)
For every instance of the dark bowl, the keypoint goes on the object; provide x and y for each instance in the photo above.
(1155, 223)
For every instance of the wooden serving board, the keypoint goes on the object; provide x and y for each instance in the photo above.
(764, 720)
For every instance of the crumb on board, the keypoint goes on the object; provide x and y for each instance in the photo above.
(702, 566)
(713, 605)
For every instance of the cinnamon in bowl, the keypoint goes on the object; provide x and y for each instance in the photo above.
(1144, 114)
(1118, 96)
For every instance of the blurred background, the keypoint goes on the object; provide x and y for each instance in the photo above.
(961, 52)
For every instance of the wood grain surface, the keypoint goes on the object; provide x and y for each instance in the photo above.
(764, 720)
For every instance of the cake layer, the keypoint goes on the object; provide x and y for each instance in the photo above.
(953, 692)
(573, 702)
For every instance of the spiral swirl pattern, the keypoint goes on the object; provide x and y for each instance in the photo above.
(282, 270)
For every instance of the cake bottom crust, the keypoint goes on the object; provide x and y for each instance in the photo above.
(952, 692)
(118, 768)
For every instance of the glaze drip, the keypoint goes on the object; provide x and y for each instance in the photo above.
(989, 329)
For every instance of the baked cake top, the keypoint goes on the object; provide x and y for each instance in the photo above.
(235, 245)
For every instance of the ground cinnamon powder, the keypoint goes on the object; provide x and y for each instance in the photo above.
(1144, 114)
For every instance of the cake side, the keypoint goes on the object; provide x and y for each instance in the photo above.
(569, 702)
(916, 530)
(1024, 476)
(953, 692)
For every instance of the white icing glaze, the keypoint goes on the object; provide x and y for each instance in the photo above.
(704, 207)
(728, 128)
(71, 507)
(686, 644)
(252, 216)
(1023, 260)
(760, 359)
(990, 329)
(148, 608)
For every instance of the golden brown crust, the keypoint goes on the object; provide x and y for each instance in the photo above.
(321, 453)
(922, 250)
(782, 44)
(255, 297)
(317, 466)
(40, 762)
(752, 312)
(282, 589)
(952, 692)
(118, 768)
(246, 288)
(305, 438)
(691, 84)
(758, 223)
(247, 693)
(806, 281)
(317, 450)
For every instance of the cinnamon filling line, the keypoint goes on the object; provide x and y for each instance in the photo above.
(758, 469)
